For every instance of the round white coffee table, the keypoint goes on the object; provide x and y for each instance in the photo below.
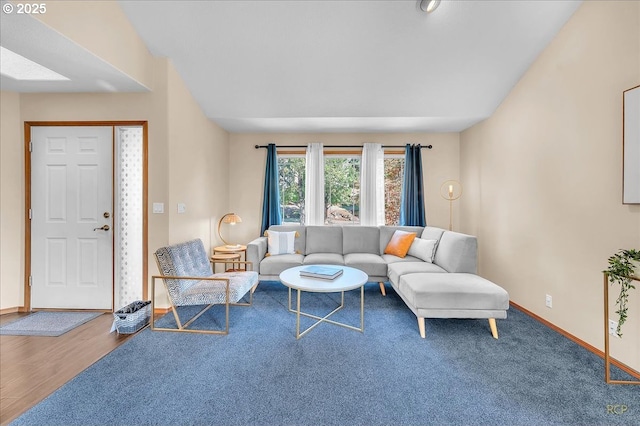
(350, 279)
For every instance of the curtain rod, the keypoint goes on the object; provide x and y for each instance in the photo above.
(340, 146)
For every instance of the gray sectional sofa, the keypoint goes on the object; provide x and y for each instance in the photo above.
(447, 287)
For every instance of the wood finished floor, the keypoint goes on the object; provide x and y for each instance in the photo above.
(33, 367)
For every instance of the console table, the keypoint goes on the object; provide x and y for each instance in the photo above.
(607, 356)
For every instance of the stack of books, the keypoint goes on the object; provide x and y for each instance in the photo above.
(324, 272)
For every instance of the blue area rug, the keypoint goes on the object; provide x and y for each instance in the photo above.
(260, 374)
(47, 323)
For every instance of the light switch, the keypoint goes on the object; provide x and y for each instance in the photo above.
(182, 207)
(158, 207)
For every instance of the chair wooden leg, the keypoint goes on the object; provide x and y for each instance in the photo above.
(421, 327)
(382, 289)
(494, 327)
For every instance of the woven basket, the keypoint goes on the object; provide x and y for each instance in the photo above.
(133, 317)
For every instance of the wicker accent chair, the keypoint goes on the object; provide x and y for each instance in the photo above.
(189, 280)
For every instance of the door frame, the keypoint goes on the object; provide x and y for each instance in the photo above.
(27, 194)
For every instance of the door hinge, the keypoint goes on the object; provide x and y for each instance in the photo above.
(29, 214)
(30, 280)
(30, 146)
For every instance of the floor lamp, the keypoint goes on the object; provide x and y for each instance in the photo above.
(451, 190)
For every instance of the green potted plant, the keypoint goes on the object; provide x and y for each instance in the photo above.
(622, 266)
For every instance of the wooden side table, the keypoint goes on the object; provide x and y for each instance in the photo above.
(239, 250)
(226, 258)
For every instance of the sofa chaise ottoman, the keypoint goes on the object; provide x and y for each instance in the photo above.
(453, 295)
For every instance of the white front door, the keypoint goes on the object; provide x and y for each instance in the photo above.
(72, 217)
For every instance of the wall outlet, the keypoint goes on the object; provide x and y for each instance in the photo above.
(548, 301)
(613, 327)
(182, 207)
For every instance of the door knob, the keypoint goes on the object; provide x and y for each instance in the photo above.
(102, 228)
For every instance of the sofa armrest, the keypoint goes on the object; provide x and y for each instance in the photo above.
(256, 251)
(457, 252)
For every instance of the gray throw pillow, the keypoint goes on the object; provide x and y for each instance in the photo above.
(423, 249)
(280, 242)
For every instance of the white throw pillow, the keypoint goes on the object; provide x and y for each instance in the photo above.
(423, 249)
(280, 242)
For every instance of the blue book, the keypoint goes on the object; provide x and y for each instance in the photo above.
(324, 272)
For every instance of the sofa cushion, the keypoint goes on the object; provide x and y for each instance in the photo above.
(386, 232)
(453, 292)
(206, 292)
(273, 265)
(300, 242)
(324, 239)
(372, 264)
(398, 269)
(400, 243)
(324, 258)
(432, 233)
(360, 239)
(280, 242)
(457, 252)
(389, 259)
(423, 249)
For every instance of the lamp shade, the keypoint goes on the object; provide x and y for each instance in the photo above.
(231, 219)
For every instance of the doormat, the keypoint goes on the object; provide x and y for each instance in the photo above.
(47, 323)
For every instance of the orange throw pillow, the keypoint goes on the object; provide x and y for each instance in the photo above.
(400, 243)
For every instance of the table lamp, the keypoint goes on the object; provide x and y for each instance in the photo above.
(231, 219)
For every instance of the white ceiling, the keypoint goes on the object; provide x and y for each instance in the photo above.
(331, 65)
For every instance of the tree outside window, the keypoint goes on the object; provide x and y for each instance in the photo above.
(393, 175)
(292, 173)
(342, 190)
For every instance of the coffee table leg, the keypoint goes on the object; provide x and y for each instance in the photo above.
(362, 309)
(299, 312)
(298, 316)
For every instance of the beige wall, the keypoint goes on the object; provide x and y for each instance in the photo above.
(247, 166)
(11, 202)
(199, 167)
(543, 176)
(187, 161)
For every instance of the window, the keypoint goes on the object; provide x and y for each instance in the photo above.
(342, 188)
(291, 170)
(393, 175)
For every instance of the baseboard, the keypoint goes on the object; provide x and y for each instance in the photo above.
(580, 342)
(157, 311)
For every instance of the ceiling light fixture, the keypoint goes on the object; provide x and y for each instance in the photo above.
(429, 5)
(20, 68)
